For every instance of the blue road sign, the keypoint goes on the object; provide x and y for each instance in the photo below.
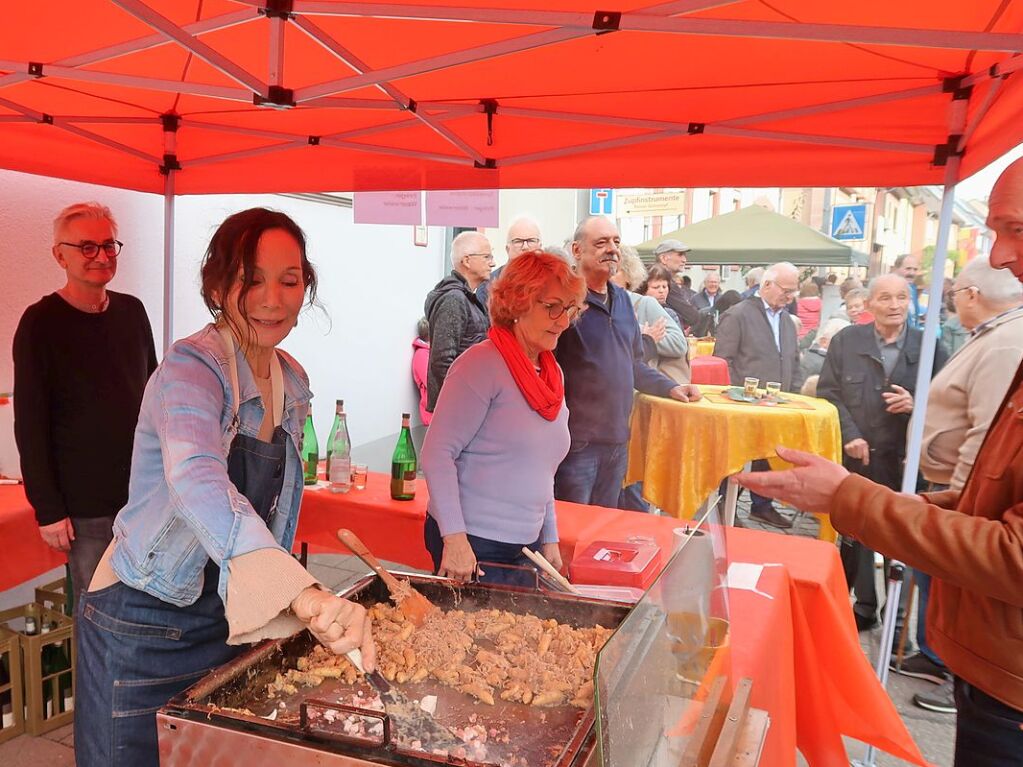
(602, 202)
(849, 222)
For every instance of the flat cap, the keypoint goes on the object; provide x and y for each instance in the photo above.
(667, 246)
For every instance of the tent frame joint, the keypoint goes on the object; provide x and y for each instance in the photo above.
(607, 21)
(278, 9)
(954, 85)
(35, 69)
(314, 141)
(489, 163)
(171, 122)
(46, 119)
(695, 129)
(170, 163)
(277, 97)
(489, 109)
(412, 106)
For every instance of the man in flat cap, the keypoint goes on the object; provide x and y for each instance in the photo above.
(672, 255)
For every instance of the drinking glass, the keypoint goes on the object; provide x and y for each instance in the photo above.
(750, 387)
(359, 472)
(773, 388)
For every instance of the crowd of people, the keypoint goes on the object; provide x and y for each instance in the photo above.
(180, 548)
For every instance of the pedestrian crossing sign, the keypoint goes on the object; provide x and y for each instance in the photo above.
(848, 222)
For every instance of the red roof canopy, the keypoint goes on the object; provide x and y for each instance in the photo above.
(281, 95)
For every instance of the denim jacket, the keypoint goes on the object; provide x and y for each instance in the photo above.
(182, 509)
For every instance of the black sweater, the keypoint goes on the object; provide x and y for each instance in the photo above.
(78, 384)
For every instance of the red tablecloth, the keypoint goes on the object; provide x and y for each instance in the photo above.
(709, 370)
(24, 554)
(799, 646)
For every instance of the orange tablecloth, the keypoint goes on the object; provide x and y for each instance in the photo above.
(24, 554)
(800, 646)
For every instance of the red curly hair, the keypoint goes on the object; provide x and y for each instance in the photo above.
(522, 281)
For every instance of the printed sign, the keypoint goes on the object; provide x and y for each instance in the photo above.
(463, 207)
(652, 204)
(388, 208)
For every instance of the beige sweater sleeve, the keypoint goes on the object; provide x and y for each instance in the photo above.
(989, 378)
(260, 588)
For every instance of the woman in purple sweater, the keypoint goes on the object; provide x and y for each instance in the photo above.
(500, 428)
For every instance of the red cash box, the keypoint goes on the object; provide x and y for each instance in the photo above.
(618, 563)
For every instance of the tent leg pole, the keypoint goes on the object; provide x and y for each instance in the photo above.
(168, 261)
(916, 424)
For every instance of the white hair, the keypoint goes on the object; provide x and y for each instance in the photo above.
(462, 245)
(774, 271)
(831, 327)
(524, 220)
(996, 286)
(872, 286)
(81, 210)
(753, 276)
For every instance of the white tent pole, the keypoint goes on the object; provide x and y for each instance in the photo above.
(169, 169)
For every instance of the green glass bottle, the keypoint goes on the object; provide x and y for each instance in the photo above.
(404, 464)
(310, 450)
(340, 408)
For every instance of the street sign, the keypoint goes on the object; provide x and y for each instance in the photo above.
(652, 204)
(849, 222)
(602, 202)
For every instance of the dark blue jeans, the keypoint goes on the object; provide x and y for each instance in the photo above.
(486, 550)
(988, 732)
(592, 473)
(923, 590)
(135, 653)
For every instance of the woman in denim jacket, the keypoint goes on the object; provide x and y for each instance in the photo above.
(200, 559)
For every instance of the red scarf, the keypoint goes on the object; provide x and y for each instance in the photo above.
(545, 392)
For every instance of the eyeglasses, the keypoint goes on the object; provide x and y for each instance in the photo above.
(554, 311)
(525, 243)
(967, 287)
(91, 249)
(488, 256)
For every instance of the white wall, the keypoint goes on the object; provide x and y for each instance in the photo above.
(373, 281)
(554, 210)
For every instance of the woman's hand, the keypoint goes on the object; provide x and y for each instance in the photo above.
(338, 624)
(457, 562)
(552, 553)
(656, 331)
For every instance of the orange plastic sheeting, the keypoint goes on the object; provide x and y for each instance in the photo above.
(476, 96)
(800, 647)
(25, 556)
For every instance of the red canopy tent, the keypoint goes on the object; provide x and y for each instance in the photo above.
(203, 96)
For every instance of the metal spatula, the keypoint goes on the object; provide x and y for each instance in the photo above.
(407, 717)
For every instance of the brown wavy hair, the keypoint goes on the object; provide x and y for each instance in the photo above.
(520, 284)
(233, 249)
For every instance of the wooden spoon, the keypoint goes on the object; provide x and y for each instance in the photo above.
(414, 605)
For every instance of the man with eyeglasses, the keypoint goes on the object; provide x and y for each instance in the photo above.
(457, 317)
(758, 340)
(82, 357)
(523, 236)
(601, 356)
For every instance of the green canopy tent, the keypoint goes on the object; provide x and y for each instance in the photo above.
(757, 236)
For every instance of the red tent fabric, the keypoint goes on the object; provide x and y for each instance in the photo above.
(293, 95)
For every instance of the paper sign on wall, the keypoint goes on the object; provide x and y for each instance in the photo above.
(388, 208)
(462, 207)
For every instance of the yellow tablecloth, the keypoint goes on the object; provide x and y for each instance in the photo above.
(700, 348)
(682, 451)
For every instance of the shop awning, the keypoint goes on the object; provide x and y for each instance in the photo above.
(755, 236)
(319, 95)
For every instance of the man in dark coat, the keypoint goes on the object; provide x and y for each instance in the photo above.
(758, 340)
(457, 318)
(671, 254)
(870, 374)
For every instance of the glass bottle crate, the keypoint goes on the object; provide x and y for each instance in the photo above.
(12, 700)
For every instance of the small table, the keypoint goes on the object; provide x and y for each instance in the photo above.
(682, 451)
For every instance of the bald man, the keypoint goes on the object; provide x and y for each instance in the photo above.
(457, 317)
(971, 541)
(523, 236)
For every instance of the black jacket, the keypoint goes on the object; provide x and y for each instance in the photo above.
(683, 307)
(745, 340)
(853, 380)
(457, 321)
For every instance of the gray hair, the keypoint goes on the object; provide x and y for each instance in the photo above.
(82, 210)
(524, 220)
(872, 286)
(632, 267)
(855, 293)
(560, 252)
(774, 271)
(996, 286)
(753, 276)
(461, 246)
(580, 230)
(831, 327)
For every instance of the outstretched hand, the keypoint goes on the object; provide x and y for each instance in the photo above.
(810, 486)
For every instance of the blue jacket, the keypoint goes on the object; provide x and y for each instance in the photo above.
(182, 509)
(602, 359)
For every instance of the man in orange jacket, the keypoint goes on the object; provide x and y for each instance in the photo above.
(971, 541)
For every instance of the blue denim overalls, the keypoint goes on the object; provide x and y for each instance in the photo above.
(135, 651)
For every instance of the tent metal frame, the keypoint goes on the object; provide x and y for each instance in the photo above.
(560, 27)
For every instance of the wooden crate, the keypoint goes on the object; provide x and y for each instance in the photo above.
(12, 722)
(53, 595)
(49, 694)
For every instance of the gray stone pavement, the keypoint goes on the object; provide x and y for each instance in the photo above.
(934, 733)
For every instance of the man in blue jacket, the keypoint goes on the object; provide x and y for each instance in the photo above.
(602, 359)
